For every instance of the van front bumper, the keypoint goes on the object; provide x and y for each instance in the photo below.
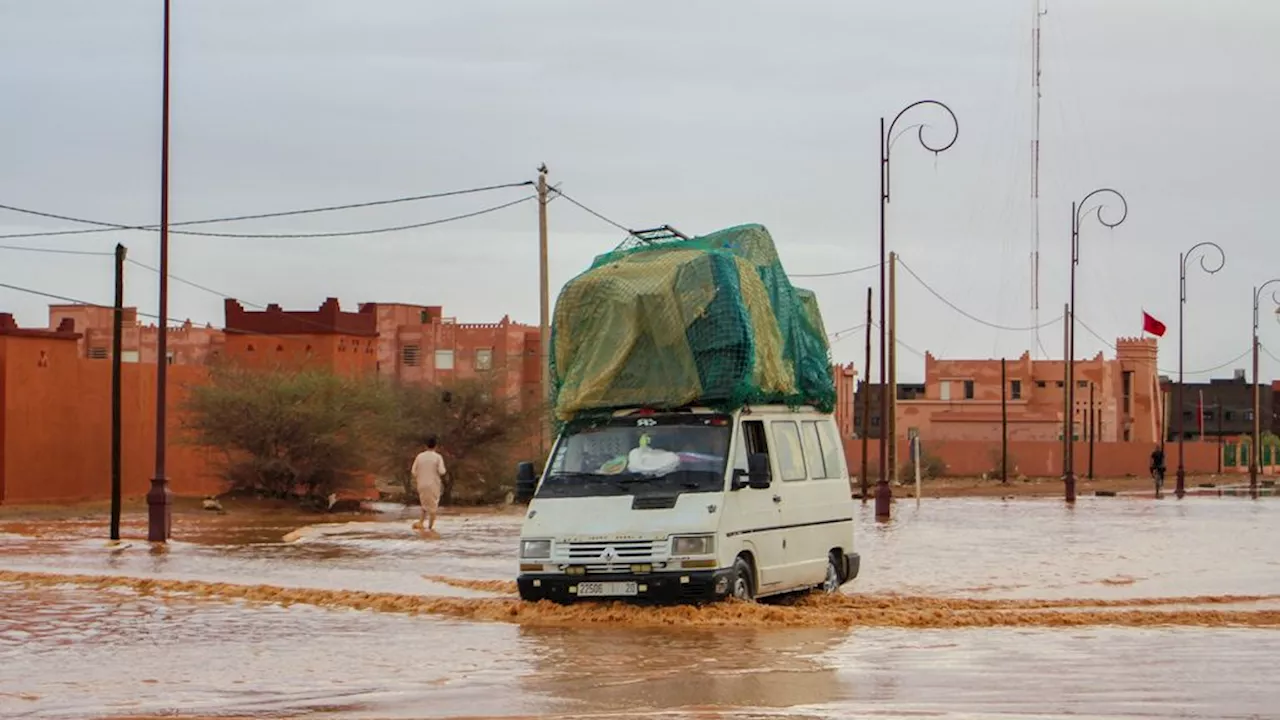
(668, 587)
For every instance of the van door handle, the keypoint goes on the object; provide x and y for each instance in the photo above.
(777, 498)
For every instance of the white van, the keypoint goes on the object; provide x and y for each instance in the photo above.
(689, 505)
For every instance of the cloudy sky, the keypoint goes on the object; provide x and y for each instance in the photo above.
(695, 113)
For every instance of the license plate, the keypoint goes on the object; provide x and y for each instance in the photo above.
(607, 589)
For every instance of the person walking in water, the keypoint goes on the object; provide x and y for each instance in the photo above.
(428, 475)
(1157, 468)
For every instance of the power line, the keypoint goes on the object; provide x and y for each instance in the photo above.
(597, 215)
(107, 227)
(969, 315)
(836, 273)
(55, 251)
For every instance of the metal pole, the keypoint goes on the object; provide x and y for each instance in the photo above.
(1070, 479)
(1004, 422)
(544, 317)
(893, 367)
(1255, 455)
(866, 406)
(883, 494)
(1092, 429)
(1180, 487)
(159, 516)
(1066, 416)
(117, 332)
(1076, 208)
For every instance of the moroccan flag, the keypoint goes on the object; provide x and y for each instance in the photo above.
(1152, 325)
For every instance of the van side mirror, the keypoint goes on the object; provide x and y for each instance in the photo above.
(758, 475)
(526, 482)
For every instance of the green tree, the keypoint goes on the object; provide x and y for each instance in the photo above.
(481, 434)
(286, 434)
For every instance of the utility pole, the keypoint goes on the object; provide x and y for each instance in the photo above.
(866, 406)
(1093, 429)
(159, 497)
(893, 367)
(1066, 375)
(1004, 422)
(544, 317)
(117, 333)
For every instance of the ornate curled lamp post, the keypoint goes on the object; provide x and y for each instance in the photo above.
(884, 495)
(1255, 455)
(1181, 489)
(1078, 213)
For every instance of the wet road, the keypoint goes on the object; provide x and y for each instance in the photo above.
(73, 650)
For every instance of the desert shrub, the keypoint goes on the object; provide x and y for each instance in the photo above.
(285, 434)
(480, 431)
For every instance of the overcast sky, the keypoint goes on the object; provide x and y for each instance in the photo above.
(695, 113)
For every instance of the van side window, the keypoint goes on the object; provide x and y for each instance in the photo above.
(752, 441)
(813, 451)
(832, 450)
(786, 438)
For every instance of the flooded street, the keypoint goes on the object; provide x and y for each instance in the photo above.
(1119, 607)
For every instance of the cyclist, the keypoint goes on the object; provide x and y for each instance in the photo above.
(1157, 467)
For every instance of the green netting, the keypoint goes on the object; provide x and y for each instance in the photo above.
(712, 320)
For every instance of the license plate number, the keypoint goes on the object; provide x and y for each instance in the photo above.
(607, 589)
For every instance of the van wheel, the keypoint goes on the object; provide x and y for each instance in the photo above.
(743, 582)
(832, 583)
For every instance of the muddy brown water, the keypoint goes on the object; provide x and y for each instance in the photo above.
(1119, 607)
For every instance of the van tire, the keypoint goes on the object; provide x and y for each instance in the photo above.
(744, 585)
(835, 573)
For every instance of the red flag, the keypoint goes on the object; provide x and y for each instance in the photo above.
(1152, 325)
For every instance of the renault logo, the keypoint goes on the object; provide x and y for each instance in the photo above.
(609, 555)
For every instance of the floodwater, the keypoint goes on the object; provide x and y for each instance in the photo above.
(1116, 608)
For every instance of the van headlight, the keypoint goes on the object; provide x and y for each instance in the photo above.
(535, 549)
(693, 545)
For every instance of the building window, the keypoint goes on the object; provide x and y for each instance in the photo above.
(1041, 383)
(1082, 384)
(411, 355)
(1228, 415)
(1060, 384)
(946, 389)
(98, 353)
(1127, 391)
(484, 358)
(444, 359)
(968, 389)
(875, 421)
(1015, 389)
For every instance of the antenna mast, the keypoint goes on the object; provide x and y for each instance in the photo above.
(1035, 178)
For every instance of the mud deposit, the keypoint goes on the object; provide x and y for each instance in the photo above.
(813, 611)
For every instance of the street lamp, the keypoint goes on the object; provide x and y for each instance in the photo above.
(1255, 458)
(1180, 489)
(884, 496)
(158, 497)
(1078, 213)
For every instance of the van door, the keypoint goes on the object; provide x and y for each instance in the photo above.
(817, 508)
(753, 517)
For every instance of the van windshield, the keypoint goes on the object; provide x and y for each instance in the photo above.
(641, 455)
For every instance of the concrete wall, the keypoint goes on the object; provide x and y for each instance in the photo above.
(972, 458)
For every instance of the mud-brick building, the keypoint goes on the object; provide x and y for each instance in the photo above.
(326, 338)
(419, 344)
